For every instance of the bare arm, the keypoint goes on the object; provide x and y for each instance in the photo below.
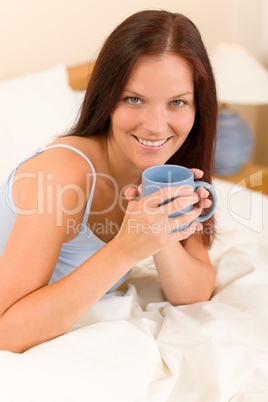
(185, 273)
(31, 311)
(51, 310)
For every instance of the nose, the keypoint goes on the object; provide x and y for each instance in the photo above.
(155, 120)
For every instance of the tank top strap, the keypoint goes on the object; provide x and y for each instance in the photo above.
(39, 151)
(90, 198)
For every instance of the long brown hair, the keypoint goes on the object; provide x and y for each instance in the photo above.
(155, 33)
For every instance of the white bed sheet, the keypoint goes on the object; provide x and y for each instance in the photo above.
(134, 346)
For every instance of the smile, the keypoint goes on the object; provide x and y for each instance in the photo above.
(151, 143)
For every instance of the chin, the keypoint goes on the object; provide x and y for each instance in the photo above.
(147, 164)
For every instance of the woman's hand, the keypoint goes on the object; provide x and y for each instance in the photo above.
(204, 202)
(147, 227)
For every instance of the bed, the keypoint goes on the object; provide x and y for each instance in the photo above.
(133, 345)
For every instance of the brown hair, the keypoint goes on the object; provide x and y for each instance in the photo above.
(155, 33)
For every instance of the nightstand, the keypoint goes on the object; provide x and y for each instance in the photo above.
(254, 177)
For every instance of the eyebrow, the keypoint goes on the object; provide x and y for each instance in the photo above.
(133, 92)
(172, 97)
(181, 95)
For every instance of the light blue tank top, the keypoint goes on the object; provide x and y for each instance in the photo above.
(73, 253)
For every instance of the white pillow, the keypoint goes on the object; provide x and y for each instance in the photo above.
(33, 110)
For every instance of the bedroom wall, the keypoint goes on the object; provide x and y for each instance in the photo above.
(251, 31)
(40, 33)
(37, 34)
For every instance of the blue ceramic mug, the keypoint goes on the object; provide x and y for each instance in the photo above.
(160, 176)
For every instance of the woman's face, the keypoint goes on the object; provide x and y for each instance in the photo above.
(155, 112)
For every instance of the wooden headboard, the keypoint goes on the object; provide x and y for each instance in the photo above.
(79, 75)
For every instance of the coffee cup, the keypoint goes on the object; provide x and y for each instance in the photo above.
(160, 176)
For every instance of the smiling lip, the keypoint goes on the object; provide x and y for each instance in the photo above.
(151, 145)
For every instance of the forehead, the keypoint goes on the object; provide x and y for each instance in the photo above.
(166, 70)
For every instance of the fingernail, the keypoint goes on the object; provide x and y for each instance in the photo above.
(189, 190)
(199, 226)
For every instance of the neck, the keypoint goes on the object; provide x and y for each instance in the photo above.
(119, 167)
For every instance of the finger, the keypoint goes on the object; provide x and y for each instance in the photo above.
(179, 204)
(202, 192)
(198, 173)
(131, 193)
(187, 232)
(167, 194)
(204, 203)
(184, 219)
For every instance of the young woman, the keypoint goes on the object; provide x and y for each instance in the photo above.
(72, 221)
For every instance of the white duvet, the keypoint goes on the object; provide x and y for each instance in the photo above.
(134, 346)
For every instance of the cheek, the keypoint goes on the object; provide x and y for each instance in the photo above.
(185, 123)
(122, 119)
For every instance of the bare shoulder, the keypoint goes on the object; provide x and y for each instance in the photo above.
(91, 146)
(55, 182)
(58, 166)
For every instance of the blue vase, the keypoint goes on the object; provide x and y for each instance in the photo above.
(234, 144)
